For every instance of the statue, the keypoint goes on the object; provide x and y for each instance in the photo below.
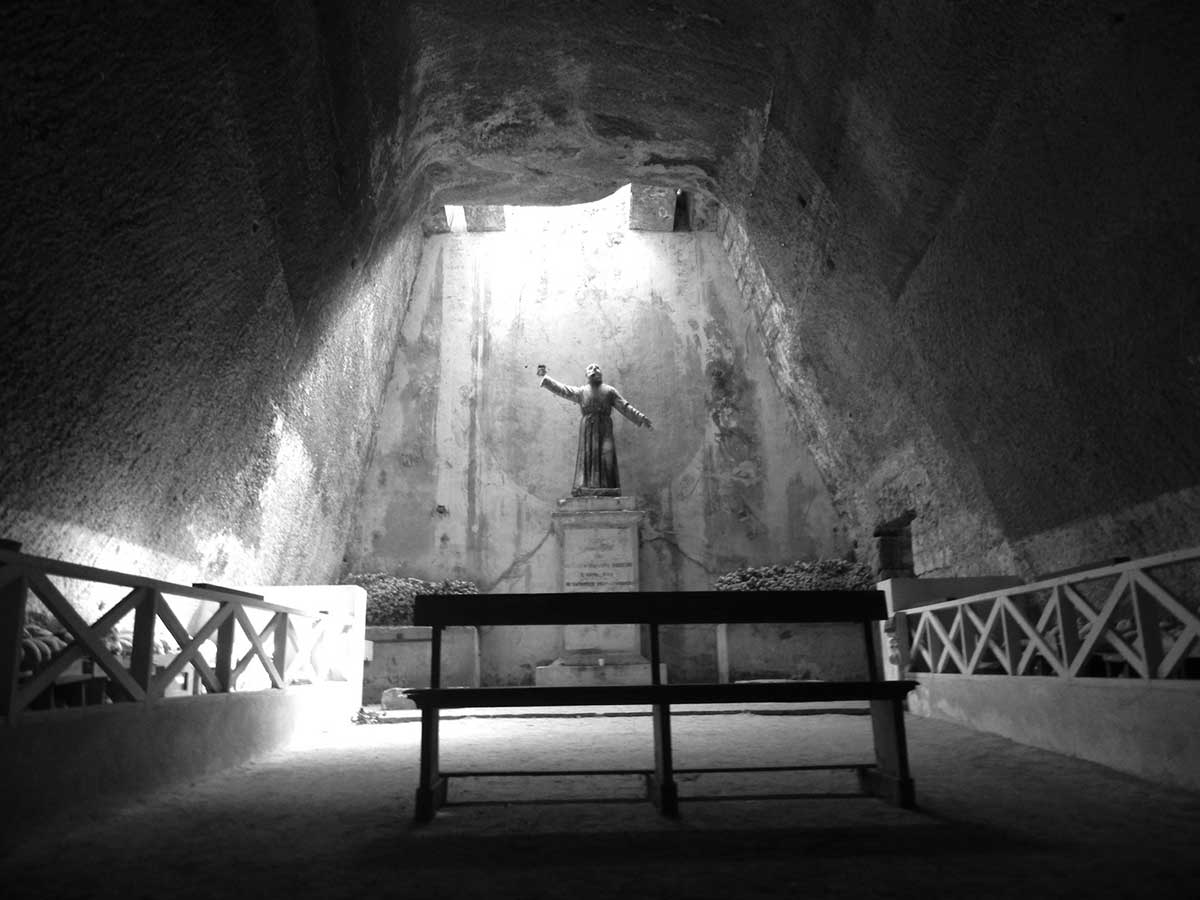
(596, 472)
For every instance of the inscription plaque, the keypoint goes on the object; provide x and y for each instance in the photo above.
(598, 542)
(599, 559)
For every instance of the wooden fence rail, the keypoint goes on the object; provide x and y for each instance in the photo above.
(1132, 619)
(145, 675)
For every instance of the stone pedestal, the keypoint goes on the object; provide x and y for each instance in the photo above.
(598, 552)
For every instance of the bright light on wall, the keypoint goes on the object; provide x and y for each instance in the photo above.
(536, 239)
(456, 219)
(608, 213)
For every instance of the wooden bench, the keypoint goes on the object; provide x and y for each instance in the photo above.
(887, 777)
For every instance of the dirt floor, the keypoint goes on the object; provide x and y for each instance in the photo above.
(331, 818)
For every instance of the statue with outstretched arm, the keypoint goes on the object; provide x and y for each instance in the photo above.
(596, 473)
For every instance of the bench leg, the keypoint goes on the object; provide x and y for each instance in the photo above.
(431, 787)
(890, 779)
(663, 792)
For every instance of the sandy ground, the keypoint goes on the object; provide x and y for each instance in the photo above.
(332, 818)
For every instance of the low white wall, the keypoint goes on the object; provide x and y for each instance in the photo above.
(334, 649)
(510, 654)
(1146, 728)
(59, 768)
(400, 657)
(694, 653)
(806, 650)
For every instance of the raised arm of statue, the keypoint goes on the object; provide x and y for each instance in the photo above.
(630, 412)
(557, 387)
(596, 473)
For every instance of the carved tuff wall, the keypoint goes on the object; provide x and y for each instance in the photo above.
(472, 455)
(966, 233)
(200, 294)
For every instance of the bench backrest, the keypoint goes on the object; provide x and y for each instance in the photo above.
(652, 608)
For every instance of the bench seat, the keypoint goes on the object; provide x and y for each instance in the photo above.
(650, 694)
(887, 776)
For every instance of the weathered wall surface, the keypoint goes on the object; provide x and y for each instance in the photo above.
(987, 318)
(564, 102)
(967, 234)
(1150, 729)
(400, 657)
(472, 455)
(200, 295)
(1076, 231)
(964, 232)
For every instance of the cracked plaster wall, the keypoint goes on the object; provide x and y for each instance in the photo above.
(965, 231)
(471, 454)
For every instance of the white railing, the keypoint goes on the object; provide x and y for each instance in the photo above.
(1134, 619)
(233, 639)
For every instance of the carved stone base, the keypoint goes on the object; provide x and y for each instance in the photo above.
(598, 543)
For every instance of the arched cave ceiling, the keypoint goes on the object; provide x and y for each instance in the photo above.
(562, 102)
(569, 102)
(972, 224)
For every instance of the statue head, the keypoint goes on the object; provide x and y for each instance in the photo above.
(594, 375)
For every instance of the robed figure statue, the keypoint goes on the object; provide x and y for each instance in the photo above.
(596, 473)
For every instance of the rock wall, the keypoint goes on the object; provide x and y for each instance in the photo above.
(966, 234)
(200, 295)
(969, 244)
(472, 455)
(1076, 395)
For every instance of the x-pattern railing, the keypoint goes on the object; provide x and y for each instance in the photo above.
(1121, 617)
(278, 648)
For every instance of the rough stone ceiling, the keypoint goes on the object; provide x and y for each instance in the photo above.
(563, 103)
(969, 226)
